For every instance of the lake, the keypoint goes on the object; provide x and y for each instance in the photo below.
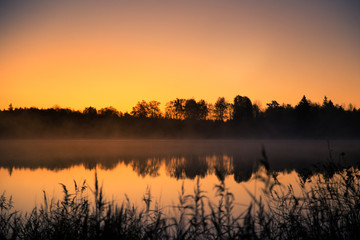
(130, 167)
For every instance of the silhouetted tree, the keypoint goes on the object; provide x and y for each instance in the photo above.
(306, 119)
(242, 108)
(175, 109)
(154, 110)
(90, 112)
(351, 107)
(203, 109)
(256, 111)
(109, 112)
(273, 105)
(10, 109)
(179, 105)
(141, 109)
(273, 109)
(221, 108)
(303, 106)
(126, 115)
(170, 111)
(211, 111)
(196, 110)
(328, 105)
(306, 114)
(191, 109)
(147, 110)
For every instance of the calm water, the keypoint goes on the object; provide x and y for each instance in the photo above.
(29, 167)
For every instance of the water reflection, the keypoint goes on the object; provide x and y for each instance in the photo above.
(183, 159)
(177, 166)
(128, 167)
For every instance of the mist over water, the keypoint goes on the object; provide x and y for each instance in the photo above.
(27, 167)
(60, 154)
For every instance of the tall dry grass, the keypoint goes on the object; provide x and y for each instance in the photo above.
(326, 206)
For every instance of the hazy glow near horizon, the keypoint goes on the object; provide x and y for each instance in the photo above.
(115, 53)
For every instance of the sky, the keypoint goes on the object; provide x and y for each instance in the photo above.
(76, 54)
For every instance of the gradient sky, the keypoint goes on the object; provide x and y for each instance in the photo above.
(115, 53)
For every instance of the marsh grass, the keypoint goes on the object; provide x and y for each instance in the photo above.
(323, 206)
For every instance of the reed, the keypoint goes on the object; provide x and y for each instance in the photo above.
(326, 207)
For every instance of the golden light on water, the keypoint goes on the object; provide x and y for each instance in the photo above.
(29, 167)
(26, 186)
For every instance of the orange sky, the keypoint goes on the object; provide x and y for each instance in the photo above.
(101, 53)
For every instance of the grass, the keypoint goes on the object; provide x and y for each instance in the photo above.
(327, 206)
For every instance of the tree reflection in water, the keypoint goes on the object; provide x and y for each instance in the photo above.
(177, 166)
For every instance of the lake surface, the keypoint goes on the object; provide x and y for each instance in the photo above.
(29, 167)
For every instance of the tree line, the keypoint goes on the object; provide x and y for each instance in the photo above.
(188, 117)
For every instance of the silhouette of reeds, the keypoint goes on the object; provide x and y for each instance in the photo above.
(323, 206)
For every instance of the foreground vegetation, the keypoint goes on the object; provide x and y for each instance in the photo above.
(323, 206)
